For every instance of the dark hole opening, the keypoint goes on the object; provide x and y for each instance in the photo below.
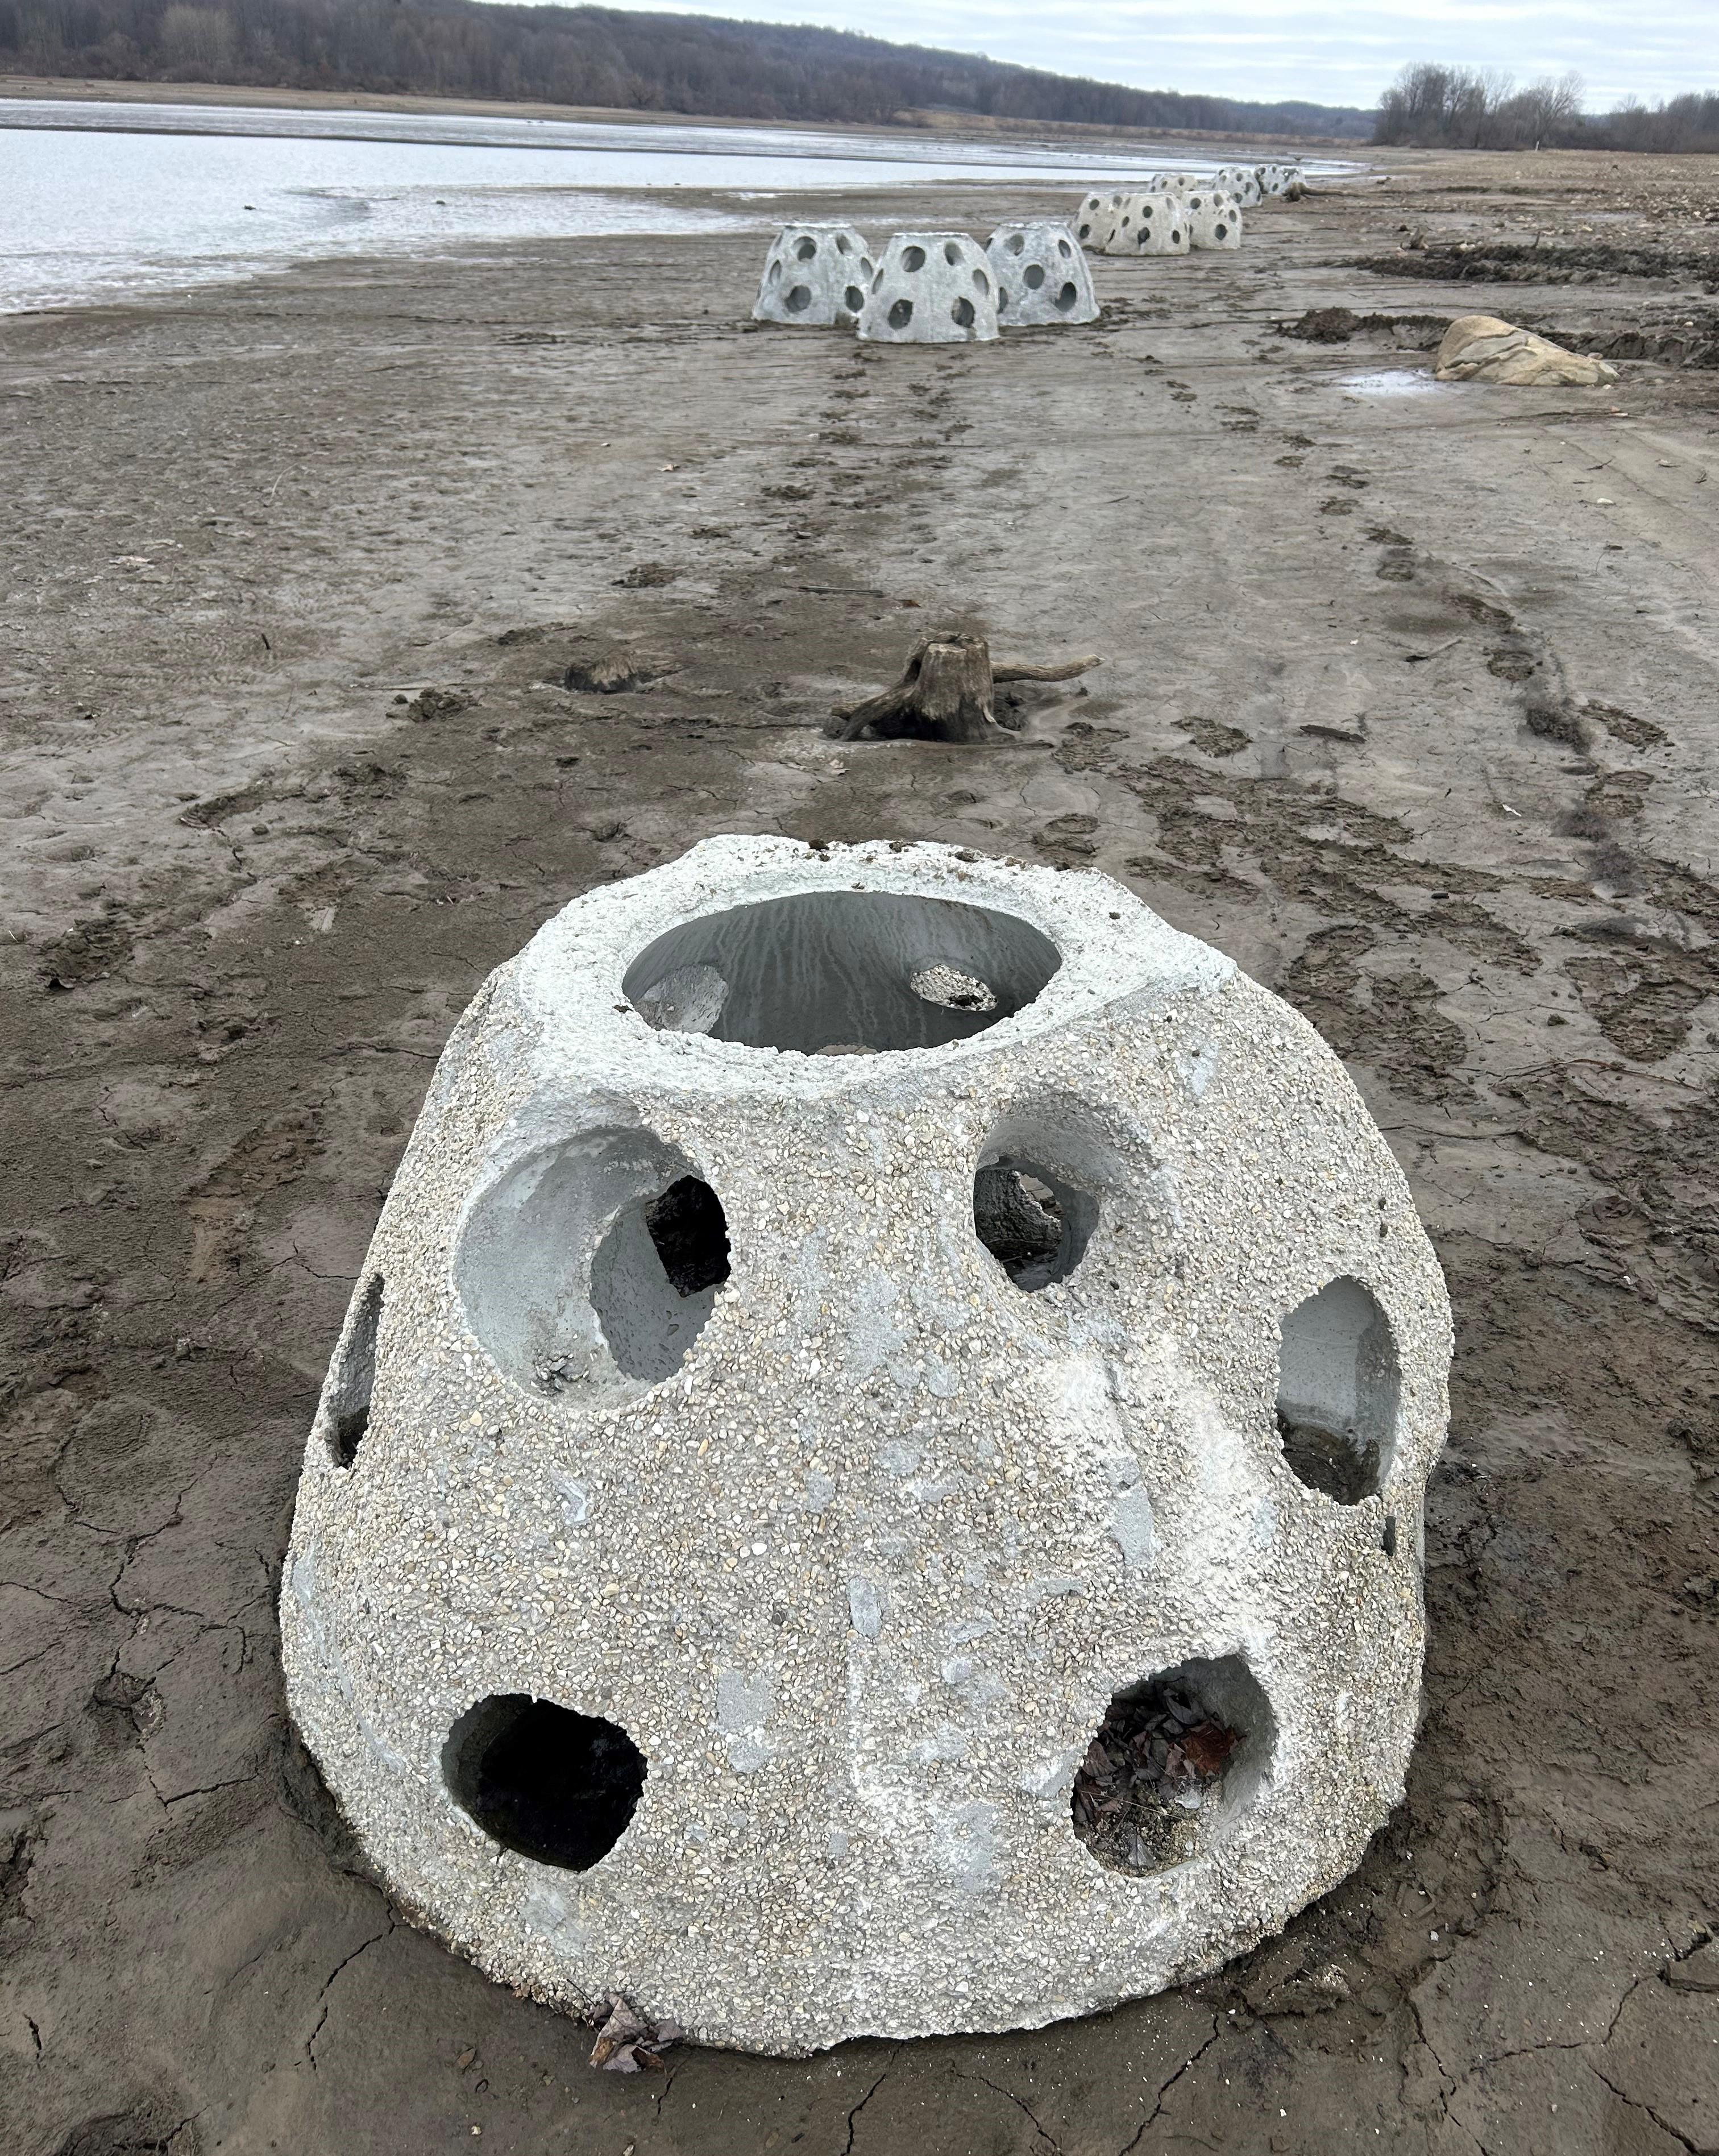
(1157, 1762)
(349, 1403)
(1338, 1390)
(1034, 1224)
(900, 314)
(1344, 1467)
(1033, 276)
(1387, 1540)
(656, 1274)
(552, 1785)
(690, 1232)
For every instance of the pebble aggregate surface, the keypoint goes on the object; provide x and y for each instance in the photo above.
(862, 1576)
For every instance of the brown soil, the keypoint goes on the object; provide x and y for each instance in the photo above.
(293, 576)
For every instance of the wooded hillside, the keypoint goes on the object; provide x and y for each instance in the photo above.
(683, 63)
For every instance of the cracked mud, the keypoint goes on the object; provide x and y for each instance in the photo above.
(356, 620)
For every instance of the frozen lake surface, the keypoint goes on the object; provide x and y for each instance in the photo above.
(100, 201)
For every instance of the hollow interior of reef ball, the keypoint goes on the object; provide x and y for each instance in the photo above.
(1155, 1766)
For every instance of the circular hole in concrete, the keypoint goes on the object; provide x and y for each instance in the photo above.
(1085, 232)
(558, 1787)
(844, 245)
(1066, 298)
(1033, 276)
(798, 300)
(774, 272)
(1016, 243)
(1338, 1388)
(1038, 1190)
(588, 1268)
(804, 250)
(951, 253)
(1175, 238)
(961, 314)
(1034, 1222)
(1222, 231)
(655, 1276)
(900, 314)
(1064, 249)
(834, 969)
(955, 991)
(353, 1378)
(913, 257)
(1002, 302)
(981, 282)
(1176, 1758)
(853, 298)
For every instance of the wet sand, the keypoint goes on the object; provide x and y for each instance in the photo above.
(1409, 702)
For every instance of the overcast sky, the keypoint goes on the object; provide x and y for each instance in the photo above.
(1334, 51)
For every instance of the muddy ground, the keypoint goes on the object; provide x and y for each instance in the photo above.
(1409, 703)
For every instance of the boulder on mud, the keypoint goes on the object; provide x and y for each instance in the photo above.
(1482, 348)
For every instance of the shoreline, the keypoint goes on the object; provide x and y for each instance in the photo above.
(954, 125)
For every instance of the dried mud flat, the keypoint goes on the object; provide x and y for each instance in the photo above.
(1409, 703)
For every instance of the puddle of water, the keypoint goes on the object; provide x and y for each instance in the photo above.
(1393, 381)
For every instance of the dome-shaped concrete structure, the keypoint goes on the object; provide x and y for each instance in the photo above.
(1041, 276)
(815, 275)
(1150, 224)
(873, 1478)
(932, 288)
(1213, 218)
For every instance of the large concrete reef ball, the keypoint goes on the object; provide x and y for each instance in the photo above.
(872, 1481)
(1213, 219)
(1150, 224)
(932, 288)
(1041, 276)
(816, 275)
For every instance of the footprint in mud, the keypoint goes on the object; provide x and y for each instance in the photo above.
(89, 951)
(1212, 738)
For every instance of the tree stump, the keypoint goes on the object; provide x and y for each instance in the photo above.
(946, 692)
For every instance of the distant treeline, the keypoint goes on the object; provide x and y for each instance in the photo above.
(1478, 109)
(691, 63)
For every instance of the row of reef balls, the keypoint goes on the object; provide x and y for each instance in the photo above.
(1176, 213)
(927, 287)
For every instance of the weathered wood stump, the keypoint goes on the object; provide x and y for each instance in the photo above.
(946, 692)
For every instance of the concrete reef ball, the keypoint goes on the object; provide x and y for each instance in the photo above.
(1150, 224)
(1041, 276)
(1241, 181)
(860, 1338)
(815, 275)
(932, 288)
(1213, 219)
(1096, 220)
